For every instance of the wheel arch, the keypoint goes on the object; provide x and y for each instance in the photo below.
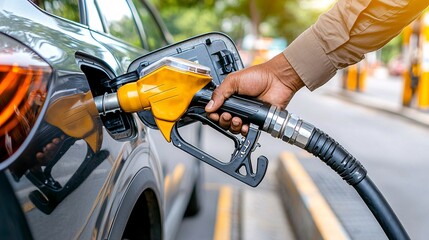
(140, 213)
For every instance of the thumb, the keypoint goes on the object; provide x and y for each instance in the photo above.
(221, 93)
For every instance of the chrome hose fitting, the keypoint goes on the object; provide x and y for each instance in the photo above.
(108, 102)
(288, 127)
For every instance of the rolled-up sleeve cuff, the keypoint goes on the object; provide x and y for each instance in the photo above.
(309, 60)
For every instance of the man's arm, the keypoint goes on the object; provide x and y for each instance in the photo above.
(342, 36)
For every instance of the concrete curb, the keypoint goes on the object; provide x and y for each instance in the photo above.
(310, 215)
(410, 114)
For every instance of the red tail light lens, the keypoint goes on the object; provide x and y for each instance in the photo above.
(23, 88)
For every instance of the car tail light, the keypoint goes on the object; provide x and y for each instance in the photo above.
(24, 78)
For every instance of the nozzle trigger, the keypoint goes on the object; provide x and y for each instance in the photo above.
(240, 158)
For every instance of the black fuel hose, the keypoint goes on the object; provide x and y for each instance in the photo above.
(381, 209)
(352, 171)
(291, 129)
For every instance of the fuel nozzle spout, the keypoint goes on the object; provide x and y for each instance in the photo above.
(107, 103)
(288, 127)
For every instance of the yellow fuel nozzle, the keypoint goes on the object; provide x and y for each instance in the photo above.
(166, 87)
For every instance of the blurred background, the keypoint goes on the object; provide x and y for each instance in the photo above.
(260, 28)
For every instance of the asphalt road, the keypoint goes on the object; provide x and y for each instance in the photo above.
(394, 151)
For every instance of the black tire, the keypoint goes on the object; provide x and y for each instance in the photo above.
(195, 202)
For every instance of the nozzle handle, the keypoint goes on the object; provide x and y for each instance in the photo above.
(240, 165)
(250, 111)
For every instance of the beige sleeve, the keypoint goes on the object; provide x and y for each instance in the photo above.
(342, 36)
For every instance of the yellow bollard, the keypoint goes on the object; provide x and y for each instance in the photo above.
(423, 91)
(354, 77)
(423, 86)
(363, 73)
(351, 78)
(407, 93)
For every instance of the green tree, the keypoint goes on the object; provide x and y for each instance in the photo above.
(391, 49)
(286, 18)
(186, 18)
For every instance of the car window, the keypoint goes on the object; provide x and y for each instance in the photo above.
(119, 20)
(154, 35)
(68, 9)
(93, 16)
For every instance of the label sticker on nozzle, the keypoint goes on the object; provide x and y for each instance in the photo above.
(177, 63)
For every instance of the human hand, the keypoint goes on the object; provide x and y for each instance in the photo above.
(274, 82)
(49, 151)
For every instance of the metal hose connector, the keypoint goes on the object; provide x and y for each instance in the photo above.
(288, 127)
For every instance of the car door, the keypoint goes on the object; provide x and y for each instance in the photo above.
(141, 32)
